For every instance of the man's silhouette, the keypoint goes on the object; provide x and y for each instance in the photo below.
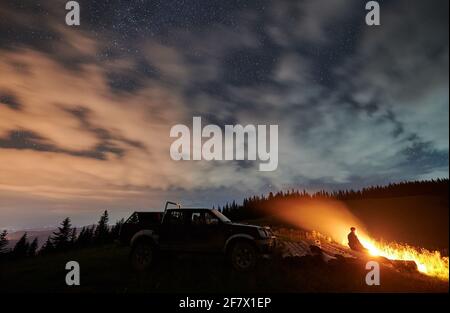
(354, 243)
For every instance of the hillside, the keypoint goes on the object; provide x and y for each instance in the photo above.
(106, 269)
(414, 213)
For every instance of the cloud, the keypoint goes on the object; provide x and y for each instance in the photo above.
(404, 69)
(52, 96)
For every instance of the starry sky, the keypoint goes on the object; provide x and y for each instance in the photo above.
(85, 112)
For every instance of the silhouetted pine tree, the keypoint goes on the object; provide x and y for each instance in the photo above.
(61, 238)
(47, 247)
(3, 242)
(80, 242)
(33, 247)
(90, 234)
(115, 230)
(21, 248)
(85, 238)
(101, 234)
(73, 236)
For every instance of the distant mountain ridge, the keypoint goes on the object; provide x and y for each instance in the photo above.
(40, 233)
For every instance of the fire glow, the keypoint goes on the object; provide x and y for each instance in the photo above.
(332, 218)
(430, 263)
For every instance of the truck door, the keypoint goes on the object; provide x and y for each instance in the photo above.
(207, 233)
(174, 231)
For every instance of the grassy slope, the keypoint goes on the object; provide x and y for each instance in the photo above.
(106, 269)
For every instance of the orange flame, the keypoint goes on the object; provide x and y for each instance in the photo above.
(430, 263)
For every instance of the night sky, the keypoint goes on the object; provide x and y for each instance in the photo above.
(85, 112)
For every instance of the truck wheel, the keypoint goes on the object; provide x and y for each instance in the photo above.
(142, 256)
(243, 256)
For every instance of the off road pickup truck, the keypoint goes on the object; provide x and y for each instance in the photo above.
(187, 230)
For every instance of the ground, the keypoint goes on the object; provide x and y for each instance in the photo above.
(106, 269)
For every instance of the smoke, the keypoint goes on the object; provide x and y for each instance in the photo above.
(329, 217)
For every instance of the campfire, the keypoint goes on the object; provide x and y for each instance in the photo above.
(430, 263)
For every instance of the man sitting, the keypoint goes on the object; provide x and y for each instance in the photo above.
(354, 243)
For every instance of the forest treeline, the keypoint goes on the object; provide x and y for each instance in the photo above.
(251, 207)
(64, 238)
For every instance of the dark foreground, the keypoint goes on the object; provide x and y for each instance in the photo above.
(106, 269)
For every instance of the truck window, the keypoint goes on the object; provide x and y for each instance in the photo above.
(176, 218)
(211, 219)
(203, 218)
(198, 218)
(133, 219)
